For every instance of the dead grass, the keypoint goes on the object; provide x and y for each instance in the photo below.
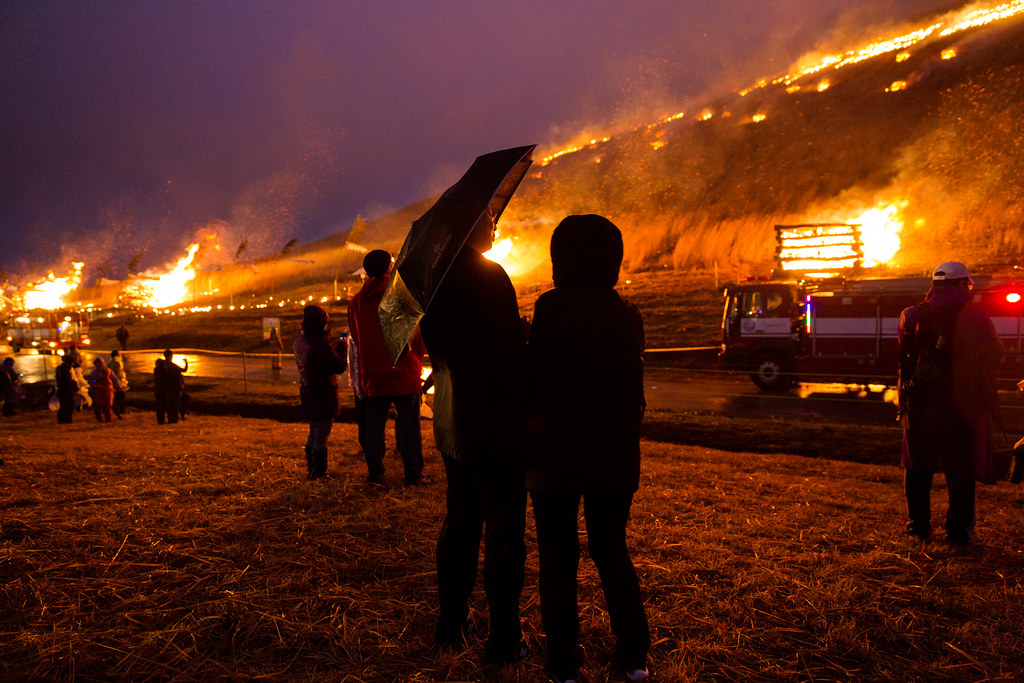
(197, 550)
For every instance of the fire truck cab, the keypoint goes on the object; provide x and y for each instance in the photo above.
(829, 324)
(840, 330)
(47, 331)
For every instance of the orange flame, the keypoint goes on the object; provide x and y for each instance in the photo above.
(869, 239)
(170, 288)
(50, 293)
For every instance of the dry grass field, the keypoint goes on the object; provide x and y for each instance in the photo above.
(136, 552)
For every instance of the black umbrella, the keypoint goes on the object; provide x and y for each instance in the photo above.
(437, 236)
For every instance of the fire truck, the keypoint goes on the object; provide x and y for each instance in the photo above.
(47, 331)
(842, 328)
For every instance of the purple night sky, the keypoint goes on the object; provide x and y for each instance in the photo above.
(129, 125)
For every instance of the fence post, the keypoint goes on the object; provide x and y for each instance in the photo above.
(245, 381)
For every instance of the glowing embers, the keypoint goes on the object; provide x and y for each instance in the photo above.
(50, 293)
(896, 86)
(949, 53)
(818, 249)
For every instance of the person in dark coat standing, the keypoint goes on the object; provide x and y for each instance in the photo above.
(477, 347)
(122, 335)
(116, 365)
(949, 352)
(319, 364)
(67, 389)
(174, 385)
(383, 385)
(587, 400)
(11, 386)
(160, 391)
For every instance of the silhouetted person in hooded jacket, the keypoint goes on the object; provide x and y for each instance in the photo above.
(586, 391)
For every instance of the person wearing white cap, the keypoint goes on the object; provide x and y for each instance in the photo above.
(949, 351)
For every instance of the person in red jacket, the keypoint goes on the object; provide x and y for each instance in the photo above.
(103, 384)
(382, 384)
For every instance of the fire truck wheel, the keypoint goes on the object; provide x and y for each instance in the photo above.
(771, 374)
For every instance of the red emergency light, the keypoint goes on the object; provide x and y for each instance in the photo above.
(1013, 297)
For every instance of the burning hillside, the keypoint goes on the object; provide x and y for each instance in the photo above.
(915, 136)
(919, 132)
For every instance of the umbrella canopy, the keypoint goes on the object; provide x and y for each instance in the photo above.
(437, 236)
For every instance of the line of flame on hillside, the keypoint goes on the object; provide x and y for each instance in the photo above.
(867, 239)
(166, 289)
(813, 65)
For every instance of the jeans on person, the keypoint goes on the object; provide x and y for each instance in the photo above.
(488, 498)
(407, 427)
(173, 406)
(945, 446)
(319, 431)
(606, 514)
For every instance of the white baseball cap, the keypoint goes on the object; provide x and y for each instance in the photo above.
(951, 270)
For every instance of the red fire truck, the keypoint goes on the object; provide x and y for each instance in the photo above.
(842, 329)
(47, 331)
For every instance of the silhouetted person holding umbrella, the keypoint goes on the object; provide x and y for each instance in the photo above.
(477, 348)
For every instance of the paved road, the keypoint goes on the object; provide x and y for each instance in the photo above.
(200, 364)
(666, 389)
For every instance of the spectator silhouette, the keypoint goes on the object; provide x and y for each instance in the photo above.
(116, 365)
(174, 385)
(319, 365)
(67, 389)
(122, 335)
(10, 387)
(586, 394)
(103, 384)
(477, 347)
(949, 351)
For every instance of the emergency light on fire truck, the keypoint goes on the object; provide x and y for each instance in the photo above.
(828, 324)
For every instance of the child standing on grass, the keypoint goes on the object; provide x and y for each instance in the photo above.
(319, 364)
(586, 369)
